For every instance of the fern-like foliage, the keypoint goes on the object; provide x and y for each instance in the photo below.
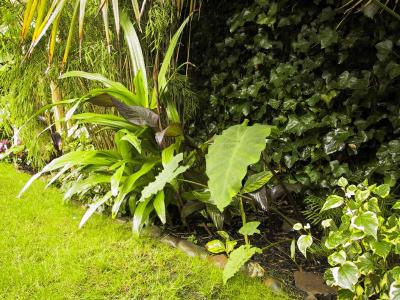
(313, 210)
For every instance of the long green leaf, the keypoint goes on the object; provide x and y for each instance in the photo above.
(129, 185)
(162, 75)
(111, 121)
(136, 54)
(167, 175)
(159, 206)
(142, 213)
(229, 157)
(93, 208)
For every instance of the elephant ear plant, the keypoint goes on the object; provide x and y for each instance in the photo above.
(141, 170)
(227, 162)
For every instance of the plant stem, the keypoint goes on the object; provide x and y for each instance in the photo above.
(243, 214)
(193, 182)
(276, 243)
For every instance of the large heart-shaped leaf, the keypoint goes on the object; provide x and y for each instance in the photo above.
(228, 158)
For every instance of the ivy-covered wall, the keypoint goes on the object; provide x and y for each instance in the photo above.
(330, 87)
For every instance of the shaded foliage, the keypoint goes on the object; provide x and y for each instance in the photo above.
(331, 92)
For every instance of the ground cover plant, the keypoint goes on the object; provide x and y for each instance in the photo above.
(43, 254)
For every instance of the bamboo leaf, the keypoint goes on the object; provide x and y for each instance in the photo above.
(82, 9)
(115, 6)
(51, 16)
(70, 34)
(165, 67)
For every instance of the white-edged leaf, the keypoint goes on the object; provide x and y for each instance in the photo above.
(304, 242)
(332, 201)
(142, 213)
(93, 208)
(115, 180)
(345, 276)
(129, 185)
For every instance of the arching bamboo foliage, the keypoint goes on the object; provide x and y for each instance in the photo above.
(41, 16)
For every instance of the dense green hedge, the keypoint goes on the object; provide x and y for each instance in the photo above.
(333, 93)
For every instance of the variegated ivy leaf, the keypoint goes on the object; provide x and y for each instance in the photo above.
(366, 222)
(332, 201)
(345, 276)
(304, 242)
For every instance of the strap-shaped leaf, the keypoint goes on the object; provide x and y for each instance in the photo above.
(228, 158)
(257, 181)
(137, 115)
(159, 206)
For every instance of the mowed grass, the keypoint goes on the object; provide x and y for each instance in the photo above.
(43, 255)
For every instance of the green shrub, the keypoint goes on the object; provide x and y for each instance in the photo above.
(364, 245)
(332, 92)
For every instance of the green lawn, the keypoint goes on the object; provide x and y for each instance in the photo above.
(43, 255)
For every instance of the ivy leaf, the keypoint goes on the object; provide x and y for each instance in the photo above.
(345, 276)
(229, 157)
(365, 264)
(382, 191)
(337, 258)
(396, 205)
(250, 228)
(384, 49)
(342, 182)
(303, 243)
(237, 259)
(366, 222)
(257, 181)
(333, 201)
(215, 246)
(334, 239)
(328, 37)
(394, 291)
(381, 248)
(361, 196)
